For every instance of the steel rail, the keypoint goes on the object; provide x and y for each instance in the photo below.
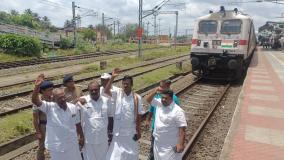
(192, 141)
(19, 142)
(81, 80)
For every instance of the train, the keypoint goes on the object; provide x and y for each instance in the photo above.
(222, 44)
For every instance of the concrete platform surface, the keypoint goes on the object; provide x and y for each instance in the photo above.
(257, 129)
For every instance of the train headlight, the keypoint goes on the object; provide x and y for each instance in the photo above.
(198, 42)
(236, 43)
(232, 64)
(195, 61)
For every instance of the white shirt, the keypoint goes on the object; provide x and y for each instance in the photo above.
(114, 90)
(124, 118)
(168, 119)
(95, 119)
(61, 126)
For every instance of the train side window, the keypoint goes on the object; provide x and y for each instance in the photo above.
(232, 26)
(208, 27)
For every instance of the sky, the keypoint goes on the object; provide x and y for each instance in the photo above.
(126, 11)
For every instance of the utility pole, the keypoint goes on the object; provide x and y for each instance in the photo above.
(159, 27)
(118, 23)
(176, 12)
(114, 28)
(139, 27)
(148, 28)
(103, 19)
(155, 26)
(169, 31)
(74, 23)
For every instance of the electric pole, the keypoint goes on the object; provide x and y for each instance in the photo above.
(176, 29)
(148, 28)
(114, 28)
(159, 27)
(74, 23)
(139, 27)
(118, 23)
(155, 26)
(103, 19)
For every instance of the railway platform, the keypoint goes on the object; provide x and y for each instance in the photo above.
(257, 128)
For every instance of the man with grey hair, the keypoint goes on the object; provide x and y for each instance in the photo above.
(63, 124)
(96, 114)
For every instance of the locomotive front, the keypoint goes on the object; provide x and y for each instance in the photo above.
(221, 44)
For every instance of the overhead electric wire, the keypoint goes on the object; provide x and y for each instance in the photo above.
(54, 4)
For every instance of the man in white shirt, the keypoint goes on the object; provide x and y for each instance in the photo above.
(126, 129)
(170, 125)
(95, 115)
(63, 124)
(105, 78)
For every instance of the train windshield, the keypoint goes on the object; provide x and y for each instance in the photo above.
(231, 26)
(208, 27)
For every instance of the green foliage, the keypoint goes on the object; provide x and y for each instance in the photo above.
(15, 125)
(88, 34)
(20, 45)
(105, 30)
(28, 19)
(65, 43)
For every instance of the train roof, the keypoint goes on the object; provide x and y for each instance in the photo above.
(230, 14)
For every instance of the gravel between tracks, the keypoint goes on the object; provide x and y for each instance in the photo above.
(209, 144)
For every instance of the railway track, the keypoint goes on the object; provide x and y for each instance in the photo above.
(14, 102)
(24, 147)
(199, 101)
(36, 61)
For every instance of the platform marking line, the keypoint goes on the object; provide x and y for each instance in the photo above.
(264, 97)
(264, 135)
(262, 87)
(279, 61)
(266, 111)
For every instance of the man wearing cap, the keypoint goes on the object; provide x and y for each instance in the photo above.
(127, 118)
(72, 92)
(96, 113)
(39, 118)
(63, 128)
(170, 124)
(105, 77)
(164, 85)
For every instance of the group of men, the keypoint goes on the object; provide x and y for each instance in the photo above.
(105, 124)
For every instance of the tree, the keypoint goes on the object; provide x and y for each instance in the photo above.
(4, 17)
(91, 26)
(104, 30)
(45, 22)
(88, 34)
(14, 12)
(67, 23)
(129, 30)
(28, 11)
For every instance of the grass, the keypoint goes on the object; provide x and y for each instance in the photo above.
(83, 48)
(130, 60)
(86, 48)
(8, 57)
(15, 125)
(21, 123)
(156, 76)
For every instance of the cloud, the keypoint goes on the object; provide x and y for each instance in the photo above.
(127, 10)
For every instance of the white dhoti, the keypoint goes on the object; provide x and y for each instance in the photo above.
(165, 152)
(72, 153)
(95, 151)
(123, 148)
